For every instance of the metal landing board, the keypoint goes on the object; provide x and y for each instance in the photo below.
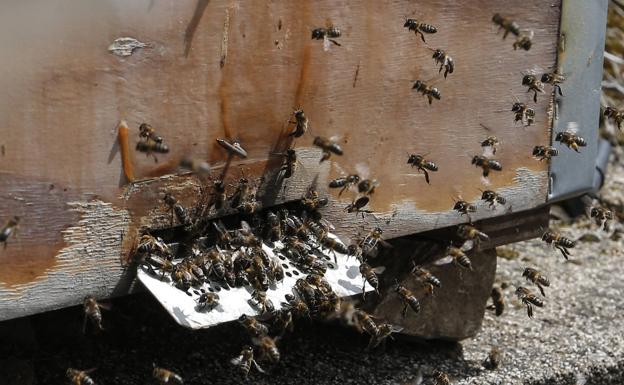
(343, 275)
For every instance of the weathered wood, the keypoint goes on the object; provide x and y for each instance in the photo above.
(227, 69)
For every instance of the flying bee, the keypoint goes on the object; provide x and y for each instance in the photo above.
(493, 360)
(498, 301)
(464, 208)
(616, 115)
(429, 91)
(79, 377)
(533, 84)
(408, 298)
(554, 79)
(176, 208)
(441, 378)
(199, 167)
(260, 301)
(445, 61)
(268, 348)
(254, 327)
(523, 113)
(507, 24)
(544, 152)
(367, 186)
(296, 305)
(327, 35)
(10, 228)
(233, 148)
(384, 331)
(218, 194)
(281, 322)
(150, 147)
(290, 162)
(602, 216)
(537, 278)
(364, 322)
(93, 313)
(355, 250)
(470, 233)
(312, 201)
(428, 280)
(570, 138)
(357, 206)
(419, 28)
(246, 360)
(486, 164)
(166, 377)
(370, 275)
(207, 301)
(560, 242)
(524, 41)
(493, 198)
(372, 239)
(147, 132)
(457, 256)
(528, 299)
(344, 182)
(422, 164)
(328, 146)
(491, 142)
(301, 123)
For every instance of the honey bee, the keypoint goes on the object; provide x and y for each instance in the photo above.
(492, 142)
(327, 35)
(282, 321)
(554, 79)
(276, 271)
(260, 301)
(422, 164)
(470, 233)
(268, 348)
(441, 378)
(153, 245)
(408, 298)
(224, 238)
(150, 147)
(602, 216)
(328, 146)
(197, 166)
(372, 239)
(429, 91)
(533, 84)
(419, 28)
(290, 162)
(367, 186)
(254, 327)
(506, 24)
(273, 229)
(166, 377)
(241, 194)
(560, 242)
(93, 313)
(464, 208)
(445, 61)
(334, 245)
(370, 275)
(536, 278)
(384, 331)
(244, 237)
(544, 152)
(301, 123)
(233, 148)
(176, 208)
(616, 115)
(357, 206)
(354, 250)
(498, 301)
(493, 198)
(10, 228)
(207, 301)
(312, 201)
(147, 133)
(364, 322)
(429, 280)
(246, 360)
(344, 182)
(79, 377)
(218, 194)
(296, 306)
(524, 41)
(570, 139)
(457, 256)
(523, 113)
(493, 360)
(249, 205)
(486, 164)
(529, 299)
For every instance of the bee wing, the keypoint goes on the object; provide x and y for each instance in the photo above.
(258, 367)
(245, 227)
(488, 151)
(237, 360)
(396, 329)
(379, 269)
(535, 70)
(326, 43)
(572, 127)
(467, 246)
(341, 170)
(443, 261)
(362, 170)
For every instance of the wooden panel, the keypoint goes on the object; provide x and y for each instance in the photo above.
(64, 95)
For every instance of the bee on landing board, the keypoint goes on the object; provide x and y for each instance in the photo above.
(523, 113)
(357, 206)
(490, 144)
(464, 208)
(537, 278)
(554, 79)
(427, 90)
(493, 198)
(344, 183)
(486, 164)
(544, 152)
(528, 299)
(445, 61)
(533, 84)
(300, 122)
(328, 35)
(422, 164)
(419, 28)
(9, 229)
(180, 212)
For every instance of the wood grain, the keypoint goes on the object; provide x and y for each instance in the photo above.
(64, 95)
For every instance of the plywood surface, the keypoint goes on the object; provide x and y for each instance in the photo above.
(64, 95)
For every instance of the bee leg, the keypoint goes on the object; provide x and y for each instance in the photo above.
(563, 251)
(342, 190)
(446, 73)
(535, 96)
(504, 34)
(335, 42)
(364, 289)
(486, 172)
(422, 35)
(529, 310)
(430, 99)
(426, 176)
(541, 289)
(404, 311)
(558, 88)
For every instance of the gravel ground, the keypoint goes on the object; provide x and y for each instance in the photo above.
(577, 338)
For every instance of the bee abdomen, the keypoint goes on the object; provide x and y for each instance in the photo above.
(430, 166)
(464, 261)
(336, 183)
(566, 242)
(413, 303)
(373, 280)
(434, 281)
(534, 300)
(427, 28)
